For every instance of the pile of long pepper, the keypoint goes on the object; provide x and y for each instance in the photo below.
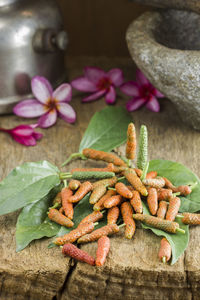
(109, 194)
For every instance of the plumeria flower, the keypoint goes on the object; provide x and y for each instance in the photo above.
(24, 134)
(48, 104)
(99, 83)
(142, 93)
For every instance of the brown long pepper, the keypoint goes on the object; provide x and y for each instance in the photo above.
(93, 217)
(152, 201)
(112, 215)
(67, 206)
(151, 175)
(191, 218)
(113, 201)
(164, 194)
(136, 202)
(55, 216)
(57, 199)
(127, 215)
(96, 234)
(109, 168)
(123, 190)
(107, 182)
(135, 181)
(100, 204)
(74, 184)
(165, 250)
(102, 250)
(97, 193)
(157, 183)
(173, 208)
(78, 254)
(85, 188)
(73, 235)
(162, 209)
(131, 142)
(164, 225)
(184, 190)
(104, 156)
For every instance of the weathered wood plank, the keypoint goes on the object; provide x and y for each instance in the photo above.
(132, 270)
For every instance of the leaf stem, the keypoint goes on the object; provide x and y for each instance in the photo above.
(144, 172)
(54, 206)
(120, 178)
(164, 259)
(193, 185)
(73, 156)
(64, 176)
(176, 194)
(121, 225)
(110, 188)
(65, 183)
(179, 216)
(180, 230)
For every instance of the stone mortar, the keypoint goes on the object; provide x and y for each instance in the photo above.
(165, 46)
(191, 5)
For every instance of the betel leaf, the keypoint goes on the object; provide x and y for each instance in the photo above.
(82, 209)
(26, 184)
(33, 222)
(178, 174)
(107, 129)
(177, 241)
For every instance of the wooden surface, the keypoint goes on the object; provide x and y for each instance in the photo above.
(98, 27)
(132, 270)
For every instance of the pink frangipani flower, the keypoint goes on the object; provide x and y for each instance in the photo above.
(142, 93)
(99, 83)
(24, 134)
(47, 103)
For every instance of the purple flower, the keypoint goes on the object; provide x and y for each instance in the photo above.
(24, 134)
(142, 92)
(48, 103)
(99, 83)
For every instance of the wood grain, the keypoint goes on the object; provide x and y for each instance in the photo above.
(132, 270)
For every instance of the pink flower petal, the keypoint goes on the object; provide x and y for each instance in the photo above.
(41, 89)
(27, 141)
(83, 84)
(157, 94)
(66, 112)
(116, 76)
(94, 74)
(48, 119)
(140, 78)
(29, 108)
(63, 93)
(130, 88)
(94, 96)
(37, 135)
(22, 130)
(110, 95)
(135, 103)
(153, 104)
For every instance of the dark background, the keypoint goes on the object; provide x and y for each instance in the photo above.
(98, 27)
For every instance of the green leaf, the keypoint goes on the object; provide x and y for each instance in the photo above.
(33, 222)
(107, 129)
(82, 209)
(178, 174)
(27, 184)
(177, 241)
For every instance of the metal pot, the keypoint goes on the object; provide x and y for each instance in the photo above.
(32, 43)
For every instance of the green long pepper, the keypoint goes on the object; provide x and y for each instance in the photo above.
(143, 148)
(87, 175)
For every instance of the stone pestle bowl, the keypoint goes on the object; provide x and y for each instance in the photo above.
(165, 45)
